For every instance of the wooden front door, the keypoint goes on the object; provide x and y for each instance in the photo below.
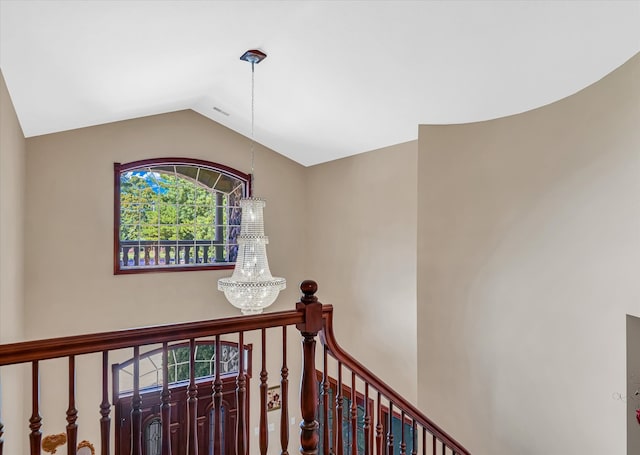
(151, 419)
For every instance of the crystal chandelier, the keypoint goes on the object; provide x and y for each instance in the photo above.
(251, 287)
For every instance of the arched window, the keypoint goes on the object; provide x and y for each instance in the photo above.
(178, 357)
(176, 214)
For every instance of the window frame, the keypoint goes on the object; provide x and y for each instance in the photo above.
(119, 169)
(117, 367)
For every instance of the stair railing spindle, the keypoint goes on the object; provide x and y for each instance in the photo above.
(72, 412)
(414, 438)
(284, 391)
(354, 416)
(192, 402)
(105, 407)
(264, 436)
(217, 402)
(390, 429)
(339, 413)
(35, 422)
(241, 390)
(403, 441)
(366, 423)
(165, 403)
(379, 426)
(326, 444)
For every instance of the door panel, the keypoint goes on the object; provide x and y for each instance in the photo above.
(151, 411)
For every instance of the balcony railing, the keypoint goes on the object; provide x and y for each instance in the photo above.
(146, 254)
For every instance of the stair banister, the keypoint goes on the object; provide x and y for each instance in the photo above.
(310, 317)
(327, 338)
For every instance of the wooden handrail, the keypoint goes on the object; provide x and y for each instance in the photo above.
(327, 338)
(28, 351)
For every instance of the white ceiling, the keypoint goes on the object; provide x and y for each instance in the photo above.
(342, 77)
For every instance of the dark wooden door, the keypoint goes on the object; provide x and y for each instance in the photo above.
(151, 419)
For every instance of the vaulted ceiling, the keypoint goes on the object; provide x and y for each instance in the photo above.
(341, 77)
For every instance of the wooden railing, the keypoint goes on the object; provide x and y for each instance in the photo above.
(374, 406)
(168, 253)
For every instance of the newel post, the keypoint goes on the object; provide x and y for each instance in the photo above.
(312, 324)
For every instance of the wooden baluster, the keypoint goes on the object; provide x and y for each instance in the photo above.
(390, 429)
(339, 413)
(325, 404)
(263, 397)
(309, 329)
(354, 416)
(192, 402)
(366, 424)
(241, 391)
(217, 402)
(424, 441)
(379, 427)
(165, 402)
(433, 445)
(35, 422)
(403, 441)
(444, 448)
(105, 406)
(1, 425)
(284, 390)
(136, 406)
(72, 412)
(414, 438)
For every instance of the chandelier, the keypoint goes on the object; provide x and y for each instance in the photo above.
(251, 287)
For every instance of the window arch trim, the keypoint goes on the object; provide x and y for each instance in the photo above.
(133, 165)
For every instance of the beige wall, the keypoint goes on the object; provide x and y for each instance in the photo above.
(12, 184)
(70, 225)
(528, 260)
(362, 235)
(70, 287)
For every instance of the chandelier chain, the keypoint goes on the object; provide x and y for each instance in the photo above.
(253, 64)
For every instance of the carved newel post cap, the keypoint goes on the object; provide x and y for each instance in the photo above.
(309, 288)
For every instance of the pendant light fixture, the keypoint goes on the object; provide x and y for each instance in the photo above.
(251, 287)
